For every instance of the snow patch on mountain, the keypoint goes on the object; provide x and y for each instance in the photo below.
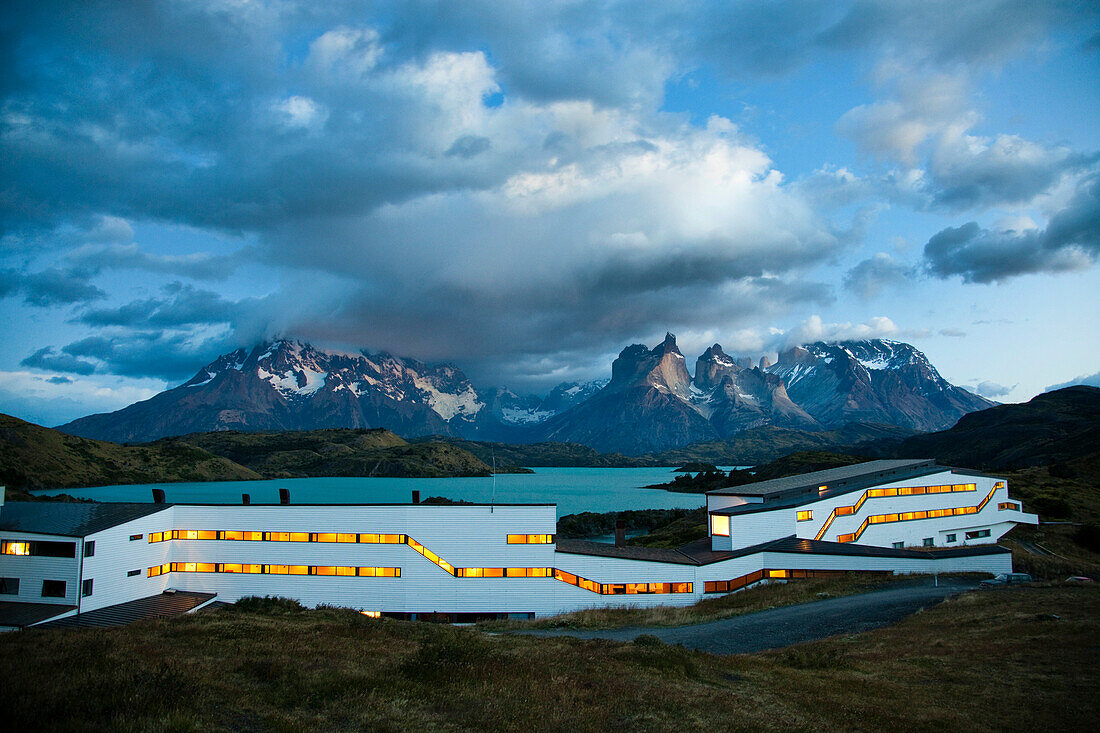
(448, 405)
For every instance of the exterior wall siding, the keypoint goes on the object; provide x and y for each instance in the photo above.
(32, 570)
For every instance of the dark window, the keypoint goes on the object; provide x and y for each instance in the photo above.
(899, 545)
(53, 549)
(136, 537)
(9, 586)
(132, 573)
(928, 542)
(977, 534)
(53, 588)
(86, 588)
(950, 538)
(89, 548)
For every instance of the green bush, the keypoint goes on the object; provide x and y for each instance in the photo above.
(1088, 537)
(269, 605)
(1051, 507)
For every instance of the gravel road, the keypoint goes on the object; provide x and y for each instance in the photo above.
(779, 627)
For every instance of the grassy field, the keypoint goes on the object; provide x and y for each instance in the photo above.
(1013, 659)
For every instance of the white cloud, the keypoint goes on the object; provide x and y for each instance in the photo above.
(814, 329)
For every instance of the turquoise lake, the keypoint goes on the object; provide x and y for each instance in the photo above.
(572, 489)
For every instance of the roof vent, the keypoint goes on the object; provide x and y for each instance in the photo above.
(158, 496)
(284, 496)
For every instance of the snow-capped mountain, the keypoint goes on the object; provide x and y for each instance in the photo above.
(290, 385)
(875, 381)
(652, 402)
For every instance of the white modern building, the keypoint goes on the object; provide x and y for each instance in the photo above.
(84, 563)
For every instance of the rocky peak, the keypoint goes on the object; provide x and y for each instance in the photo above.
(712, 366)
(662, 368)
(795, 355)
(765, 362)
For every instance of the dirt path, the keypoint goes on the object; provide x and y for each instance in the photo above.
(779, 627)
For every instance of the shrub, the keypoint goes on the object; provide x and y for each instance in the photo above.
(269, 605)
(1051, 507)
(1088, 537)
(648, 640)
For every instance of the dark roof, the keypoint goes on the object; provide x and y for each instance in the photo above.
(162, 605)
(873, 471)
(70, 519)
(630, 552)
(14, 613)
(699, 552)
(821, 547)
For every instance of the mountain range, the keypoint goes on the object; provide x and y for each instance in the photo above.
(651, 403)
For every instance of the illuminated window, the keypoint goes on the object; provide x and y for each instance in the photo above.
(136, 537)
(805, 516)
(15, 548)
(372, 614)
(156, 536)
(1008, 505)
(530, 539)
(720, 525)
(38, 548)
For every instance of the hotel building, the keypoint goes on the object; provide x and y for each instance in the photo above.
(93, 564)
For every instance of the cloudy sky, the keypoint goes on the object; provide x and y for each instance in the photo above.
(523, 188)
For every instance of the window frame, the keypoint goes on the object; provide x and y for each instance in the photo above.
(63, 585)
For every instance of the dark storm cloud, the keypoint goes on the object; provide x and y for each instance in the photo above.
(476, 180)
(201, 266)
(47, 360)
(182, 305)
(1008, 171)
(166, 355)
(50, 287)
(468, 146)
(870, 277)
(1070, 241)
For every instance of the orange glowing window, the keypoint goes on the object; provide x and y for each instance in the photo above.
(325, 537)
(720, 525)
(805, 516)
(156, 536)
(16, 548)
(346, 537)
(298, 570)
(530, 539)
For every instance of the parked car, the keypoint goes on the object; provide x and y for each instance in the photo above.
(1007, 579)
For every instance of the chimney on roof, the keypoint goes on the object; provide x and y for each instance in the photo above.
(416, 497)
(284, 496)
(246, 499)
(620, 533)
(158, 496)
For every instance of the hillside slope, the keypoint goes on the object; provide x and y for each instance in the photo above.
(339, 452)
(1055, 427)
(34, 457)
